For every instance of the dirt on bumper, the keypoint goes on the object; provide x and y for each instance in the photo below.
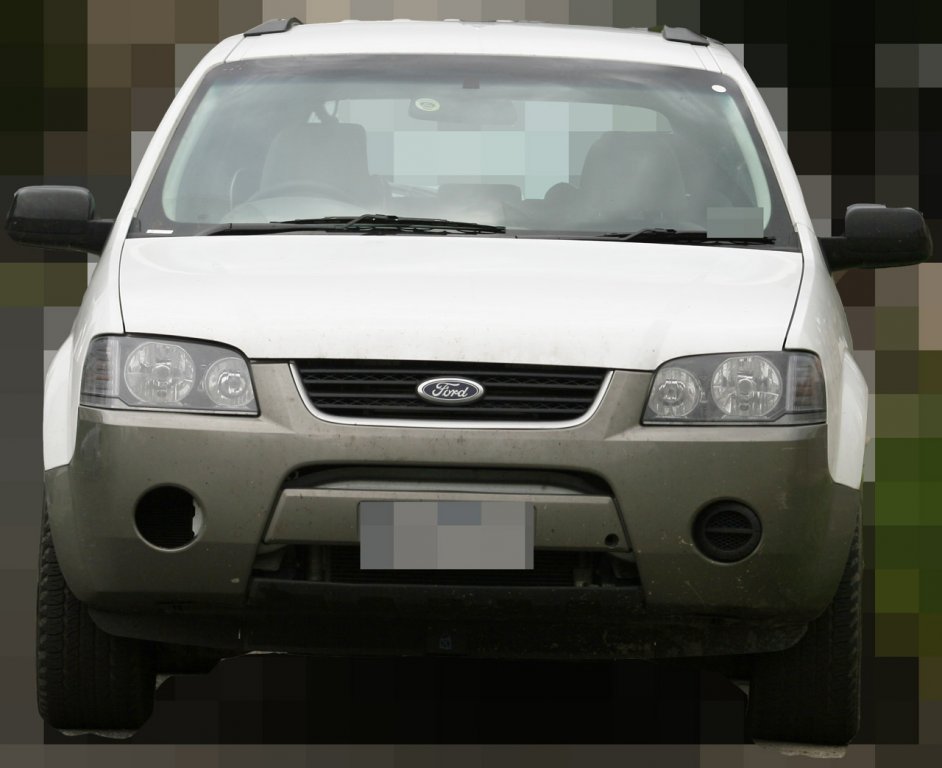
(659, 479)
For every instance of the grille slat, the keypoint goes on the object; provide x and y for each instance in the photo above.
(334, 382)
(455, 413)
(410, 397)
(387, 390)
(512, 372)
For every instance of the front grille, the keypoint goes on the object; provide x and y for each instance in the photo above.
(381, 389)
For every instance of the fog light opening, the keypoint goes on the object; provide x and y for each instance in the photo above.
(168, 517)
(727, 531)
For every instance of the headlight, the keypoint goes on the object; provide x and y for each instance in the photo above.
(227, 383)
(159, 374)
(676, 392)
(780, 387)
(747, 387)
(166, 374)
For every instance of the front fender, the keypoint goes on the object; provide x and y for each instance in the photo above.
(58, 438)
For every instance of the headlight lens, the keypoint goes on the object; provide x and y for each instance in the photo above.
(747, 387)
(227, 383)
(159, 373)
(676, 392)
(780, 387)
(166, 374)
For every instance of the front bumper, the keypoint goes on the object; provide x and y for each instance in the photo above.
(658, 479)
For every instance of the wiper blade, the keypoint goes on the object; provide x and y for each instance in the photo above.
(380, 221)
(657, 235)
(369, 223)
(248, 228)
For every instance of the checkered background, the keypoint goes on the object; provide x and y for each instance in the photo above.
(856, 89)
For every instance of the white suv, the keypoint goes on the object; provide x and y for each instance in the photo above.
(494, 339)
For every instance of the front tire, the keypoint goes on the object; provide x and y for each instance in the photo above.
(85, 678)
(810, 693)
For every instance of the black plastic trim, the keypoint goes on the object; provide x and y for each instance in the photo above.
(272, 27)
(495, 622)
(684, 35)
(387, 389)
(317, 476)
(741, 537)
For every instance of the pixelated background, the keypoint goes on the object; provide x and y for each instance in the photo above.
(856, 89)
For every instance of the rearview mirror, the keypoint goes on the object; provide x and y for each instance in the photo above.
(877, 236)
(57, 217)
(464, 110)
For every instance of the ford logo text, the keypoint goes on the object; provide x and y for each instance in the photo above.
(452, 390)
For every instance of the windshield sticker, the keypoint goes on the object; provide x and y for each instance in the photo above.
(734, 222)
(427, 104)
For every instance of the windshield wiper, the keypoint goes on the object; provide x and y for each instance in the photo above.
(655, 235)
(373, 222)
(369, 223)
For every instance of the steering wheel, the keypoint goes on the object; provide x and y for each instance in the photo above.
(307, 189)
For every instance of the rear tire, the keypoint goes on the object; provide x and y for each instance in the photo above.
(810, 693)
(85, 678)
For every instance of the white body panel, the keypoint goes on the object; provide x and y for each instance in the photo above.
(516, 39)
(615, 305)
(101, 307)
(544, 302)
(821, 325)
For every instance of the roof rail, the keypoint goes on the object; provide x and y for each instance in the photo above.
(272, 26)
(684, 35)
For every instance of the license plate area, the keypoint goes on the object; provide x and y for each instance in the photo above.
(446, 535)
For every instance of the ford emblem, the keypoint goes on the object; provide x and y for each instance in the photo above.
(450, 390)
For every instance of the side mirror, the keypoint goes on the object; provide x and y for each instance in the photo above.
(877, 236)
(57, 217)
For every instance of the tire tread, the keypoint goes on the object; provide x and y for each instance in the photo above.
(85, 678)
(810, 693)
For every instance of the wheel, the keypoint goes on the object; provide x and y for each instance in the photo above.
(810, 693)
(85, 678)
(307, 189)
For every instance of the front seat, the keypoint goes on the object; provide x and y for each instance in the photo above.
(631, 178)
(332, 156)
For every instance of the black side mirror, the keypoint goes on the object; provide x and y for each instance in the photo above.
(57, 217)
(877, 236)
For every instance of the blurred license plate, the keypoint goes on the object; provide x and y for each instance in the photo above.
(452, 535)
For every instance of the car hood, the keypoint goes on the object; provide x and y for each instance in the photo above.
(459, 298)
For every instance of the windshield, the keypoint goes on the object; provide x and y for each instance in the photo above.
(541, 147)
